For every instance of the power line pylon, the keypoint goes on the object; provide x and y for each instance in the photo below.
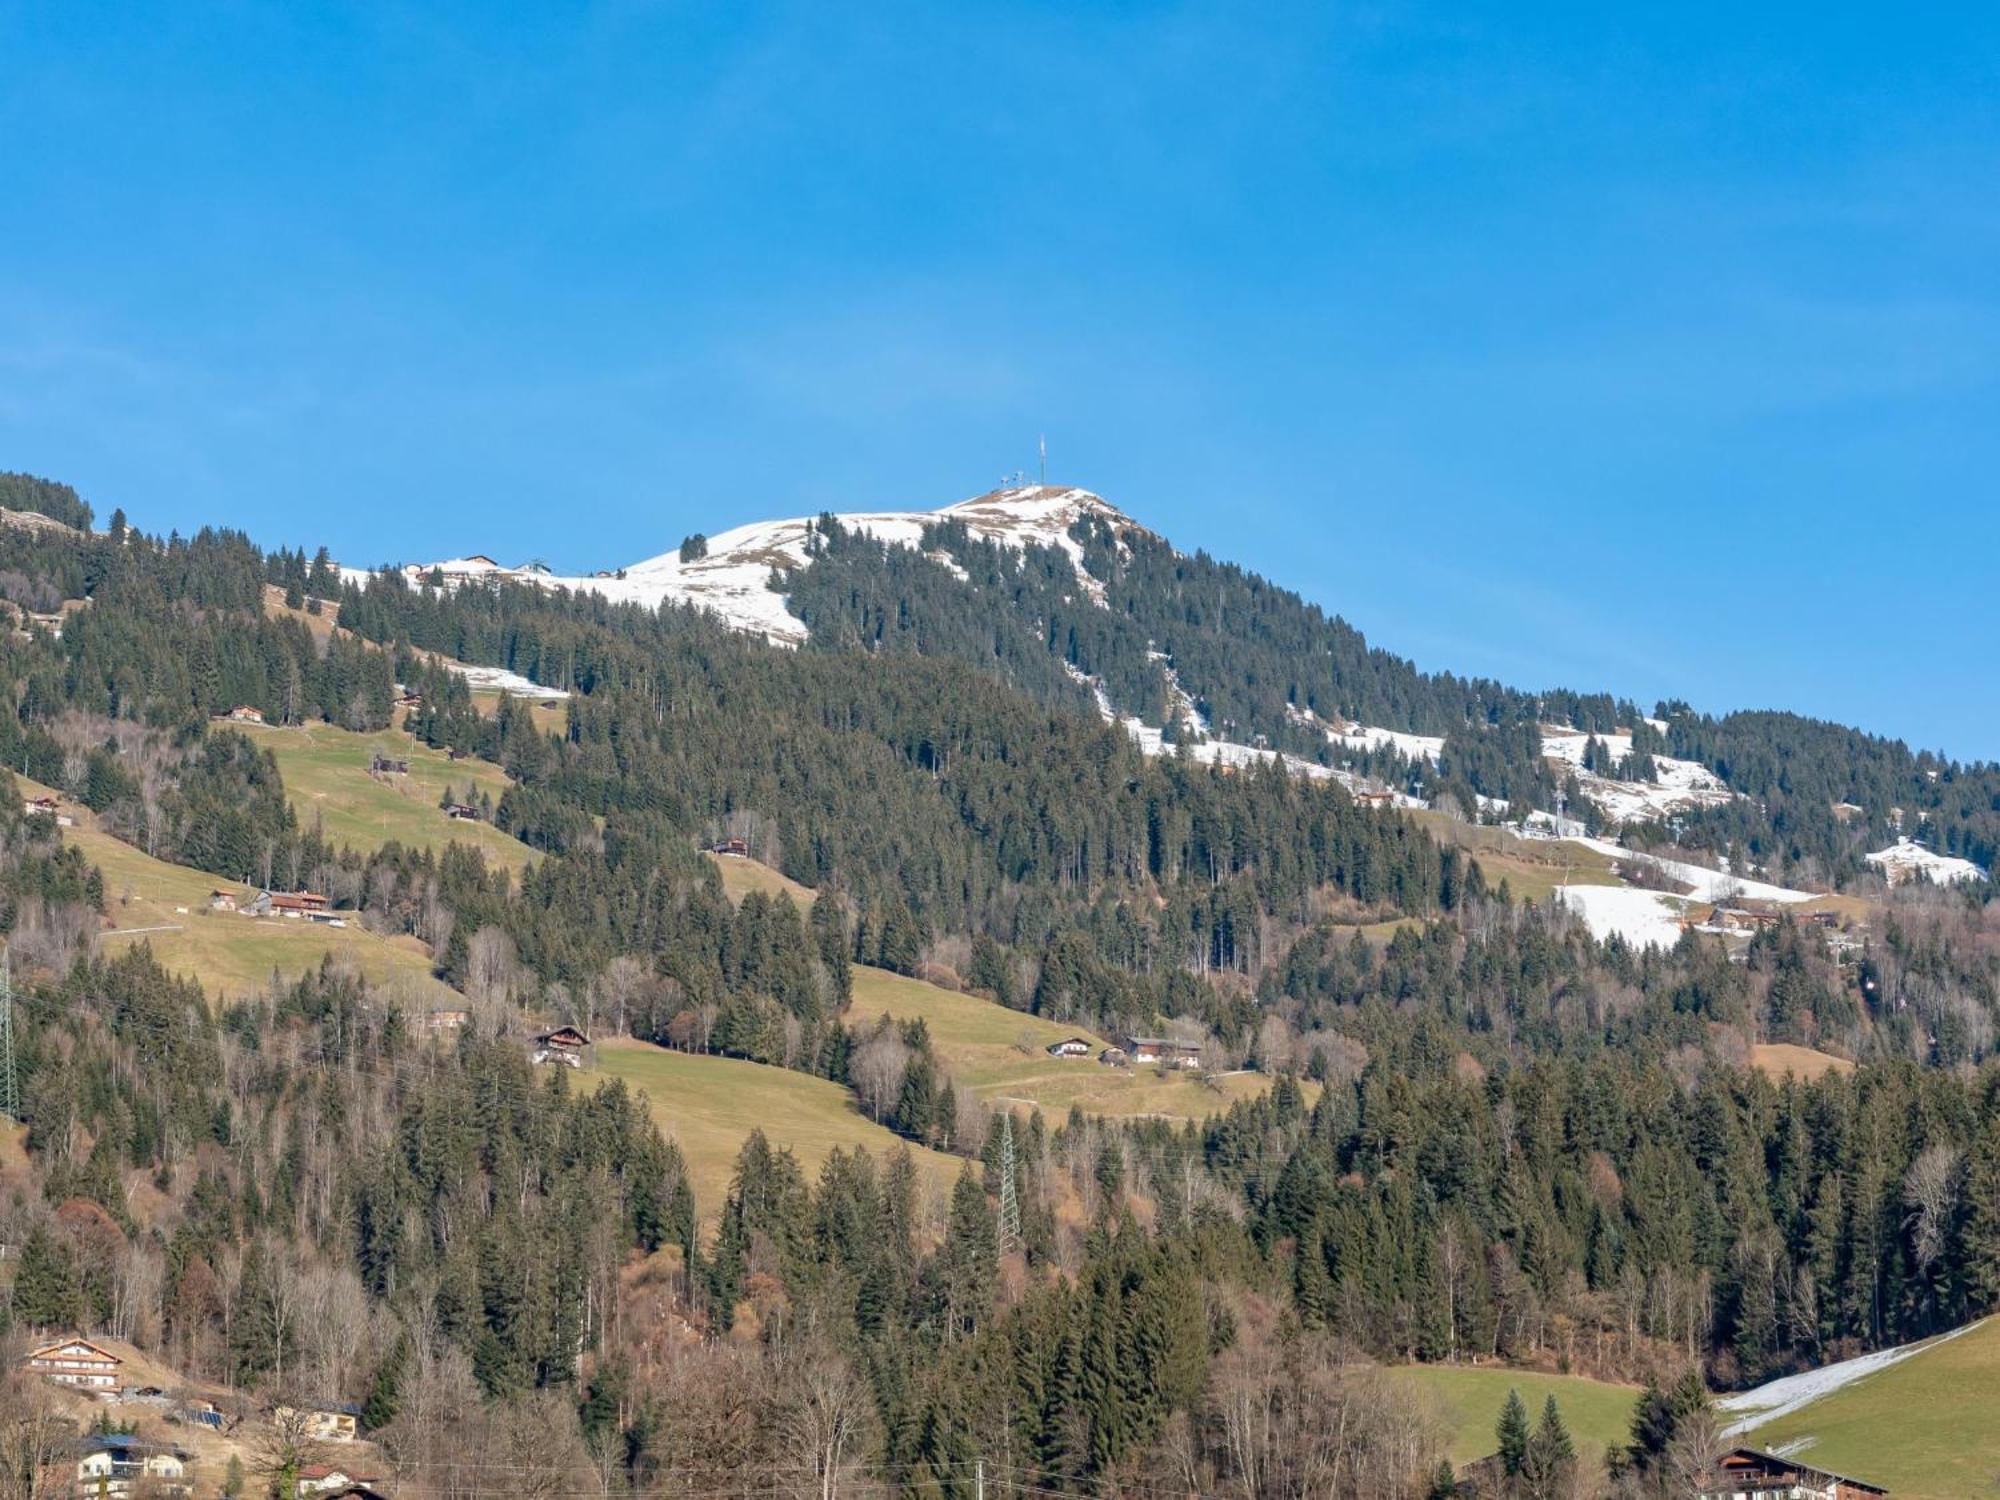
(10, 1088)
(1010, 1201)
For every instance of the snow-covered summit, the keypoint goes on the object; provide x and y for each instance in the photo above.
(732, 577)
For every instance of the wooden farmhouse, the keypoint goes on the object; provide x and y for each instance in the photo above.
(221, 900)
(461, 812)
(48, 807)
(564, 1045)
(1070, 1046)
(243, 713)
(1164, 1051)
(77, 1362)
(389, 765)
(738, 848)
(1744, 1473)
(306, 906)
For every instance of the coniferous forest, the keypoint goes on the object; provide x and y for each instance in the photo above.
(1486, 1136)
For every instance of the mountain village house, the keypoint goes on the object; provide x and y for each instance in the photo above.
(389, 765)
(1163, 1050)
(441, 1020)
(738, 848)
(329, 1479)
(322, 1421)
(564, 1045)
(116, 1463)
(48, 807)
(77, 1362)
(1747, 1473)
(1071, 1046)
(243, 713)
(307, 906)
(461, 812)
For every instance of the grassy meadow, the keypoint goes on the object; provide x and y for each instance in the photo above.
(166, 905)
(327, 781)
(709, 1105)
(1597, 1413)
(1925, 1428)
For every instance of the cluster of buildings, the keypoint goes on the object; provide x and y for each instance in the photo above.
(1133, 1051)
(298, 906)
(113, 1465)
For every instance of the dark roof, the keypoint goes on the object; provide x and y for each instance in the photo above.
(125, 1445)
(1797, 1465)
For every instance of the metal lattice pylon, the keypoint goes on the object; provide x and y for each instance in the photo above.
(10, 1088)
(1010, 1201)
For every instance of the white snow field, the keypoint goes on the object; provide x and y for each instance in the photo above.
(1907, 860)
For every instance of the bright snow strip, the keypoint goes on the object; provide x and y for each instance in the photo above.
(1780, 1398)
(1366, 737)
(500, 680)
(1907, 860)
(1705, 884)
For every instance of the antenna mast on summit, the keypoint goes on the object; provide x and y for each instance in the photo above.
(1042, 442)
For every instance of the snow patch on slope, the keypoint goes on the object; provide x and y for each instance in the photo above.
(1683, 785)
(1645, 919)
(1782, 1397)
(1907, 860)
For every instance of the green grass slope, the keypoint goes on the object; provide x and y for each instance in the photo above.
(1001, 1055)
(709, 1105)
(166, 905)
(1925, 1428)
(1598, 1413)
(326, 777)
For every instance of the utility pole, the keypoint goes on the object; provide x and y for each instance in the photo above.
(10, 1089)
(1010, 1202)
(979, 1480)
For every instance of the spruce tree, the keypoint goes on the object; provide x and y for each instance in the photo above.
(1512, 1434)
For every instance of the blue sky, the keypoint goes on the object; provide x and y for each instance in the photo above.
(1559, 343)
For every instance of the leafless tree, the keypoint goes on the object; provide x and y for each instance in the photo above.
(824, 1414)
(491, 968)
(1930, 1189)
(877, 1070)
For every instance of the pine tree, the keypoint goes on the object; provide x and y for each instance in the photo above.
(1548, 1467)
(1512, 1434)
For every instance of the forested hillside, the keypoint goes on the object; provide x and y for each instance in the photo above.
(1485, 1134)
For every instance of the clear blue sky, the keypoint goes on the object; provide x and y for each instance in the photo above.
(1549, 342)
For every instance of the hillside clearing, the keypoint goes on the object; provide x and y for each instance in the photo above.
(742, 876)
(1002, 1056)
(709, 1105)
(327, 781)
(1778, 1059)
(1598, 1413)
(166, 905)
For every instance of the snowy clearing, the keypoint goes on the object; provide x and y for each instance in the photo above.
(1705, 884)
(1907, 860)
(1366, 737)
(1782, 1397)
(1683, 785)
(500, 680)
(1645, 919)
